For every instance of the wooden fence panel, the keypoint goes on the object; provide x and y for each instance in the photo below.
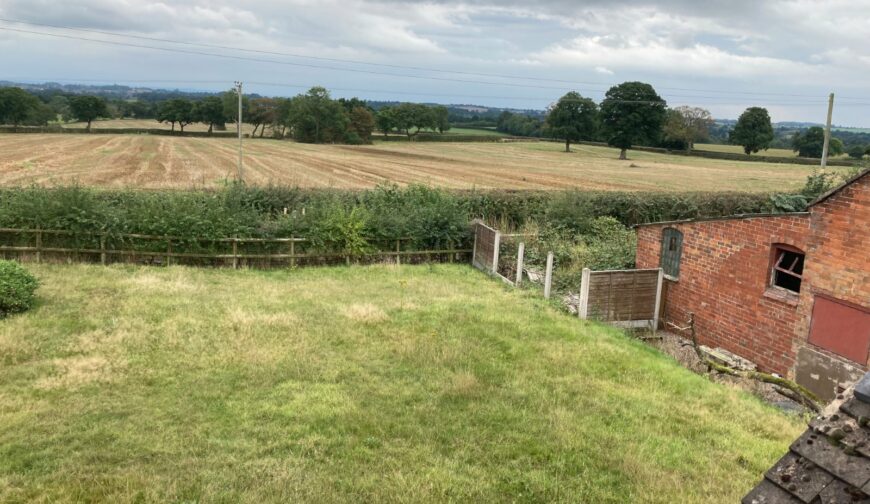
(486, 246)
(625, 297)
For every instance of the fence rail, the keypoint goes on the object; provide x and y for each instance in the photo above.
(99, 248)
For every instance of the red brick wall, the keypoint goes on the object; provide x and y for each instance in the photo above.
(838, 252)
(724, 276)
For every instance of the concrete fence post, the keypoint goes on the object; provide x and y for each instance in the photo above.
(548, 276)
(658, 299)
(495, 250)
(521, 249)
(583, 309)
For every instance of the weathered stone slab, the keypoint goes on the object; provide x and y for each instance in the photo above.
(820, 450)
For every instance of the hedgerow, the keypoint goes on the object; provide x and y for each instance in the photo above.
(424, 216)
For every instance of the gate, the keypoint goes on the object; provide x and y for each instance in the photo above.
(626, 298)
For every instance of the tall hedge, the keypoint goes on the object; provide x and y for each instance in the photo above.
(427, 216)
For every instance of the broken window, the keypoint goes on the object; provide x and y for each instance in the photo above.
(788, 268)
(672, 249)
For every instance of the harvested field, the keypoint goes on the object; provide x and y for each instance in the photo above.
(181, 162)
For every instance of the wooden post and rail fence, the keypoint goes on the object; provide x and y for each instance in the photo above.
(112, 247)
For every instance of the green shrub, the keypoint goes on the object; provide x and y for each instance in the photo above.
(17, 288)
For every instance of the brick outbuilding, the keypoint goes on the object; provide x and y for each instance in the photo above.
(790, 292)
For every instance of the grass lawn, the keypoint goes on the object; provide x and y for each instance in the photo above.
(359, 384)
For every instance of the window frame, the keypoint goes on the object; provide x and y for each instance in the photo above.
(778, 251)
(671, 260)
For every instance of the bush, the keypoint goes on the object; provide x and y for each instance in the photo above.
(17, 288)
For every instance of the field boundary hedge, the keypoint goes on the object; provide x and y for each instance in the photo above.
(729, 156)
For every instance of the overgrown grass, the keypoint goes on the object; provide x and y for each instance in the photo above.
(376, 384)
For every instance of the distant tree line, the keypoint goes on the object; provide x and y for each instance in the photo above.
(312, 117)
(631, 113)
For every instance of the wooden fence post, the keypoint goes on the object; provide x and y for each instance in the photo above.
(38, 245)
(521, 249)
(548, 276)
(103, 249)
(235, 253)
(474, 247)
(450, 255)
(658, 299)
(292, 252)
(583, 309)
(169, 252)
(495, 250)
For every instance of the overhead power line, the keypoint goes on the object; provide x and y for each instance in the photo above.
(107, 81)
(354, 62)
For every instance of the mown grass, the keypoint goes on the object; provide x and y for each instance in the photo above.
(474, 131)
(737, 149)
(375, 384)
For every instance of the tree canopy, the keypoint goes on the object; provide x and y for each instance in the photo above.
(811, 143)
(573, 118)
(632, 113)
(16, 105)
(211, 111)
(177, 110)
(87, 108)
(687, 125)
(316, 118)
(753, 130)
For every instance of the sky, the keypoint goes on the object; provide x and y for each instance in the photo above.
(785, 55)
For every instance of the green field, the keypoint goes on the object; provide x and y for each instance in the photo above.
(475, 131)
(359, 384)
(736, 149)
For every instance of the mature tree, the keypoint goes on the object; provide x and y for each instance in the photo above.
(40, 115)
(632, 113)
(857, 151)
(811, 143)
(210, 110)
(87, 108)
(412, 118)
(386, 120)
(16, 105)
(317, 118)
(261, 111)
(573, 118)
(362, 123)
(283, 108)
(753, 131)
(177, 110)
(687, 125)
(442, 118)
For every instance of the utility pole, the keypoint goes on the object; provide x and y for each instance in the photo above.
(828, 132)
(239, 129)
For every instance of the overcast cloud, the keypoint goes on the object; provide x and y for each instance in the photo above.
(785, 55)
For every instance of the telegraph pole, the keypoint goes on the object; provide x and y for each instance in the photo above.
(827, 132)
(239, 129)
